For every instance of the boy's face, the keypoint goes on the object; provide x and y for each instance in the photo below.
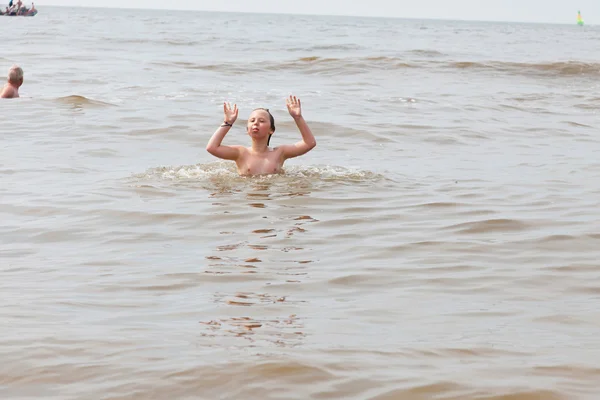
(259, 124)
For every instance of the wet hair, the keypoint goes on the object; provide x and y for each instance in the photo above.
(15, 74)
(271, 119)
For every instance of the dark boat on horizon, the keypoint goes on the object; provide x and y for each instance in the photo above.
(24, 12)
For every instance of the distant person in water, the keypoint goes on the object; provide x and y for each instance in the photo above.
(30, 11)
(259, 158)
(15, 80)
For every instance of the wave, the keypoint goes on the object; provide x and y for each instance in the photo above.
(309, 64)
(77, 101)
(225, 173)
(315, 64)
(353, 65)
(561, 68)
(184, 43)
(327, 47)
(590, 104)
(490, 226)
(160, 42)
(426, 53)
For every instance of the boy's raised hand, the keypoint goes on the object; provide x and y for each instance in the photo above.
(230, 114)
(294, 107)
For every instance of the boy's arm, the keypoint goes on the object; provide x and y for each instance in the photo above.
(307, 143)
(215, 148)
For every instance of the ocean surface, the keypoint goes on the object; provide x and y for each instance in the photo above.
(442, 241)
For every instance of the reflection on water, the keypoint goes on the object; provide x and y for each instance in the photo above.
(284, 331)
(261, 251)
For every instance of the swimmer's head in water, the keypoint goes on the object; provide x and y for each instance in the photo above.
(261, 123)
(15, 75)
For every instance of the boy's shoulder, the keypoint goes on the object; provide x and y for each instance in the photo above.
(8, 91)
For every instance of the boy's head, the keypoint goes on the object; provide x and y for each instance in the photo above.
(261, 123)
(15, 75)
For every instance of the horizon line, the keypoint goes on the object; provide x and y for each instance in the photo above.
(309, 14)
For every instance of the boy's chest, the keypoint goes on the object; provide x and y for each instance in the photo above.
(269, 163)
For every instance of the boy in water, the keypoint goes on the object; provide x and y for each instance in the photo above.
(259, 158)
(15, 80)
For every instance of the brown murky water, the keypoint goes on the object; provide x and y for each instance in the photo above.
(441, 242)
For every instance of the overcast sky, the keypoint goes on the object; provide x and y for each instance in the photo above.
(556, 11)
